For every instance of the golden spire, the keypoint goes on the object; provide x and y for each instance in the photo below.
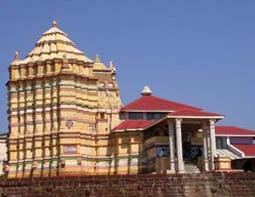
(97, 59)
(54, 23)
(53, 44)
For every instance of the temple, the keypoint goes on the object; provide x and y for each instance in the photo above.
(66, 118)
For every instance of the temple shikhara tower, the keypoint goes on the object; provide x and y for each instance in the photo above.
(66, 118)
(62, 106)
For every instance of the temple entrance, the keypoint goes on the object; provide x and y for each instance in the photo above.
(192, 144)
(158, 151)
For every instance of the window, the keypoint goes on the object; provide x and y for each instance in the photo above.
(135, 116)
(70, 149)
(221, 142)
(150, 116)
(122, 116)
(162, 151)
(154, 116)
(102, 116)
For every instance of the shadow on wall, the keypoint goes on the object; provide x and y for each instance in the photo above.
(247, 165)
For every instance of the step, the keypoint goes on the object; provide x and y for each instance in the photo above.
(191, 168)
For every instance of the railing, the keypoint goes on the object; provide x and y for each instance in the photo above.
(235, 150)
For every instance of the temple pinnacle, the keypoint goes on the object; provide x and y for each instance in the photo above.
(16, 55)
(97, 60)
(111, 64)
(54, 23)
(112, 67)
(146, 91)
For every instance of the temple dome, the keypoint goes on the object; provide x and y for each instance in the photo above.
(54, 43)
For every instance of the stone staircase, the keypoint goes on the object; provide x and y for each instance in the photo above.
(226, 153)
(191, 168)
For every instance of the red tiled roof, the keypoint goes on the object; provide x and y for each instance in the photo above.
(231, 130)
(134, 125)
(193, 113)
(247, 149)
(153, 103)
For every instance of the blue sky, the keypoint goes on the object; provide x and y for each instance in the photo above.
(199, 52)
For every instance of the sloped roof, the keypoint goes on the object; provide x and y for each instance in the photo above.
(153, 103)
(54, 43)
(232, 131)
(247, 149)
(134, 125)
(195, 113)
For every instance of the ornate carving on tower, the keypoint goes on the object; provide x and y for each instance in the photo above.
(98, 65)
(65, 66)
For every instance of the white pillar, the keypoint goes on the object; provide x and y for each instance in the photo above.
(206, 167)
(205, 146)
(179, 145)
(213, 141)
(209, 148)
(171, 146)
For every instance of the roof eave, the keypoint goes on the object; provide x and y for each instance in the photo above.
(237, 135)
(196, 117)
(138, 110)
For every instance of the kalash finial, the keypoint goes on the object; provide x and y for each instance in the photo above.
(54, 23)
(97, 59)
(16, 56)
(146, 91)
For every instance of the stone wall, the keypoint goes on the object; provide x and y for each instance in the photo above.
(197, 185)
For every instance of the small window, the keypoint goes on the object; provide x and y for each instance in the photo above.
(122, 116)
(221, 142)
(157, 116)
(70, 149)
(102, 116)
(162, 151)
(154, 116)
(150, 116)
(253, 140)
(135, 116)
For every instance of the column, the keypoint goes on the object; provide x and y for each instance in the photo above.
(213, 141)
(205, 146)
(209, 148)
(171, 146)
(179, 145)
